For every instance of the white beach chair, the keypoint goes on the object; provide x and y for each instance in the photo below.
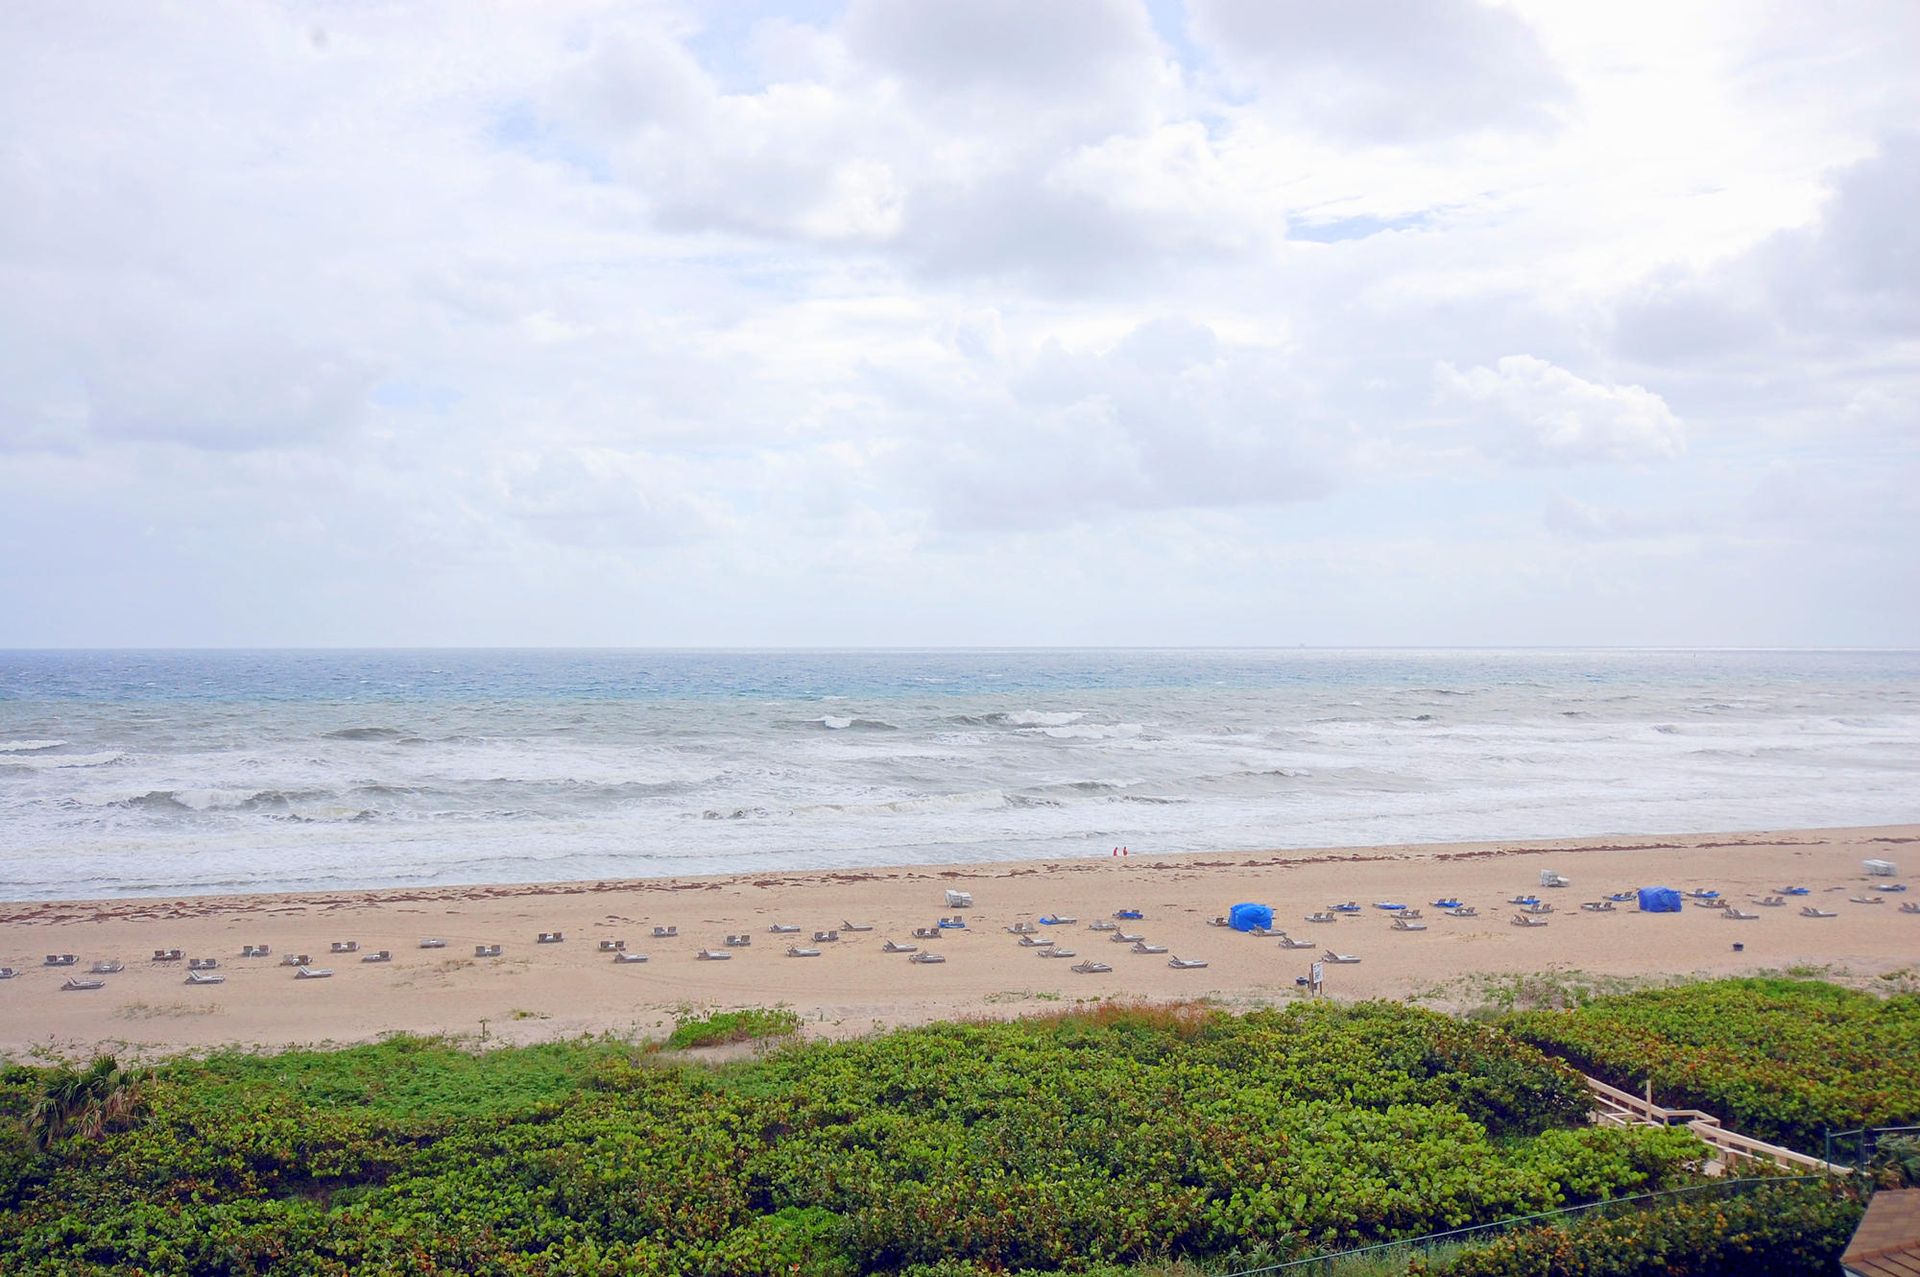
(1056, 951)
(109, 966)
(346, 946)
(665, 933)
(1732, 914)
(550, 937)
(205, 977)
(8, 973)
(1101, 924)
(1023, 929)
(1186, 964)
(76, 983)
(1322, 918)
(1810, 912)
(296, 960)
(1910, 906)
(433, 942)
(926, 957)
(826, 937)
(795, 951)
(1141, 946)
(1290, 942)
(260, 950)
(1540, 906)
(922, 933)
(1219, 920)
(1598, 906)
(1401, 924)
(623, 958)
(1126, 937)
(894, 946)
(60, 960)
(486, 951)
(848, 925)
(715, 955)
(959, 899)
(1772, 902)
(612, 946)
(378, 955)
(313, 973)
(202, 964)
(1528, 920)
(166, 955)
(785, 928)
(1090, 967)
(1026, 942)
(1866, 900)
(739, 940)
(1463, 911)
(1339, 959)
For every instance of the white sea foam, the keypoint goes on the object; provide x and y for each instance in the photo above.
(28, 746)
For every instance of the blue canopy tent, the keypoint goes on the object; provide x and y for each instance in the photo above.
(1246, 917)
(1659, 900)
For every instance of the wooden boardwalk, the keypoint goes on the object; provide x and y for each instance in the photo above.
(1615, 1107)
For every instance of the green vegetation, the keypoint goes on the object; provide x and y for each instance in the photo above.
(1070, 1143)
(723, 1027)
(1783, 1060)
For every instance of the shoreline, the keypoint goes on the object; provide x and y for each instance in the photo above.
(541, 991)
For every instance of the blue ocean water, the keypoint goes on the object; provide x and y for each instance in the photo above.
(164, 772)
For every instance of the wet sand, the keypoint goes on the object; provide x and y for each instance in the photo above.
(535, 991)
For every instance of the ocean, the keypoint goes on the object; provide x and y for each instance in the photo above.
(134, 773)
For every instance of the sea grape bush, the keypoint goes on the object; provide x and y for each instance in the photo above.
(1783, 1060)
(1065, 1144)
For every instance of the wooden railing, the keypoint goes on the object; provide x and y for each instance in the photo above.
(1615, 1107)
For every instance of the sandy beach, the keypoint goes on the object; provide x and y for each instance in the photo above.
(534, 991)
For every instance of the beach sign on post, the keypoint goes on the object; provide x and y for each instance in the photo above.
(1315, 975)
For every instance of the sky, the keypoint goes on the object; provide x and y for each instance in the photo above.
(959, 322)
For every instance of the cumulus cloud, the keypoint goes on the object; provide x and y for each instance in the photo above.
(1386, 70)
(1548, 415)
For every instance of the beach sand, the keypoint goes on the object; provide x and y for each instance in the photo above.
(535, 992)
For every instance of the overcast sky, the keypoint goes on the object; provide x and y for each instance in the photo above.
(959, 322)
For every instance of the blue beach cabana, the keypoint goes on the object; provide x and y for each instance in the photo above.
(1659, 900)
(1245, 917)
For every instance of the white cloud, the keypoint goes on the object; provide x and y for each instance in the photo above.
(1547, 414)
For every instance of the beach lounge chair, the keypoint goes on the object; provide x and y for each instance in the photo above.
(378, 955)
(1352, 906)
(1715, 903)
(612, 946)
(1090, 967)
(61, 960)
(346, 946)
(1447, 902)
(1731, 914)
(1619, 897)
(550, 937)
(926, 933)
(868, 926)
(1411, 913)
(1540, 906)
(486, 951)
(1523, 900)
(1056, 951)
(1893, 886)
(715, 955)
(1796, 891)
(1289, 942)
(1261, 933)
(926, 957)
(1186, 964)
(784, 928)
(205, 977)
(739, 940)
(313, 973)
(166, 955)
(1219, 920)
(1866, 900)
(263, 950)
(1101, 924)
(624, 958)
(955, 923)
(1464, 911)
(1056, 920)
(1023, 929)
(1548, 878)
(959, 899)
(202, 964)
(1389, 905)
(8, 973)
(108, 966)
(665, 933)
(1031, 942)
(1701, 894)
(76, 983)
(1125, 937)
(1125, 914)
(1141, 946)
(1772, 902)
(433, 942)
(1598, 906)
(1910, 906)
(1339, 959)
(1808, 911)
(894, 946)
(1320, 918)
(1528, 920)
(1401, 924)
(795, 951)
(295, 960)
(826, 937)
